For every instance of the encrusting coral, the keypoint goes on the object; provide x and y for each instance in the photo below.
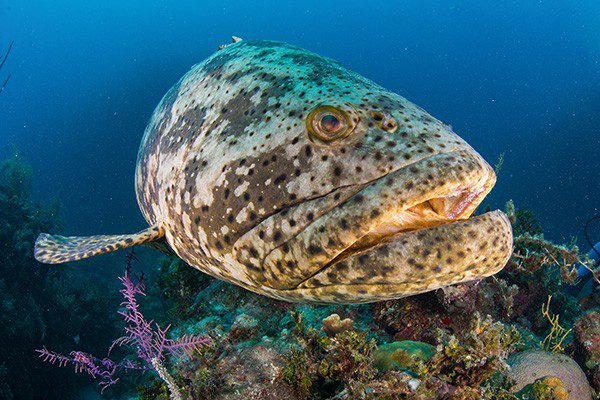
(529, 366)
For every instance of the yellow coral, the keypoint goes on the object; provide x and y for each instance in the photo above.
(549, 388)
(553, 341)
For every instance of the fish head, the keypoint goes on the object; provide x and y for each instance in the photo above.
(303, 180)
(376, 196)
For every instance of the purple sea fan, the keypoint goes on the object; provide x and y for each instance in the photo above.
(101, 369)
(151, 344)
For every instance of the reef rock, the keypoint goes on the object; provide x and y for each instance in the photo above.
(244, 327)
(251, 373)
(587, 343)
(529, 366)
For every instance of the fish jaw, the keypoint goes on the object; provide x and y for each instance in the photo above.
(408, 232)
(417, 262)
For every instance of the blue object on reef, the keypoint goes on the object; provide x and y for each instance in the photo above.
(587, 283)
(594, 255)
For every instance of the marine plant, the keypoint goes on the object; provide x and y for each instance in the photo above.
(2, 62)
(554, 340)
(532, 251)
(476, 355)
(342, 362)
(150, 341)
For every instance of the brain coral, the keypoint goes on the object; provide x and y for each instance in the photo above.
(528, 366)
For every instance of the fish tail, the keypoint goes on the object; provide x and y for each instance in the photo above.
(55, 249)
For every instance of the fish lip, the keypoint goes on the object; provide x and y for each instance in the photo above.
(461, 206)
(476, 189)
(443, 175)
(391, 289)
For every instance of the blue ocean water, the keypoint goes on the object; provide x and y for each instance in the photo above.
(519, 78)
(513, 78)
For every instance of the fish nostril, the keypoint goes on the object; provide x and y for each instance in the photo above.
(390, 126)
(377, 116)
(385, 121)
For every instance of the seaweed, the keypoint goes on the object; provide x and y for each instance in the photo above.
(553, 342)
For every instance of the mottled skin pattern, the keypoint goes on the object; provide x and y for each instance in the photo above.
(243, 192)
(239, 173)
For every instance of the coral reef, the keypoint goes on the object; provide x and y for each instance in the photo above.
(587, 344)
(472, 358)
(453, 343)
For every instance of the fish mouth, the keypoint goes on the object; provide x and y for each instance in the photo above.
(414, 261)
(412, 231)
(443, 209)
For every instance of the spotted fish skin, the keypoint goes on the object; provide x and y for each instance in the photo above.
(239, 173)
(227, 168)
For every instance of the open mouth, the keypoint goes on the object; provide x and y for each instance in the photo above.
(441, 210)
(414, 213)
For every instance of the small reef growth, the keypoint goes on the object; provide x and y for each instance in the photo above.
(528, 332)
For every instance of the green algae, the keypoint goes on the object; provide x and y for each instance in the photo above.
(402, 355)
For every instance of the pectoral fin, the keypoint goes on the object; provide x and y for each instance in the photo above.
(55, 249)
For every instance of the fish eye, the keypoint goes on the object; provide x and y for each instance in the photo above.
(328, 123)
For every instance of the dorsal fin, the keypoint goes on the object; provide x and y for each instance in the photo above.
(55, 249)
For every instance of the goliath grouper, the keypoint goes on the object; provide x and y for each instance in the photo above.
(283, 172)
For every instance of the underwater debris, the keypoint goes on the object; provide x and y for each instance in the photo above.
(151, 344)
(2, 62)
(528, 366)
